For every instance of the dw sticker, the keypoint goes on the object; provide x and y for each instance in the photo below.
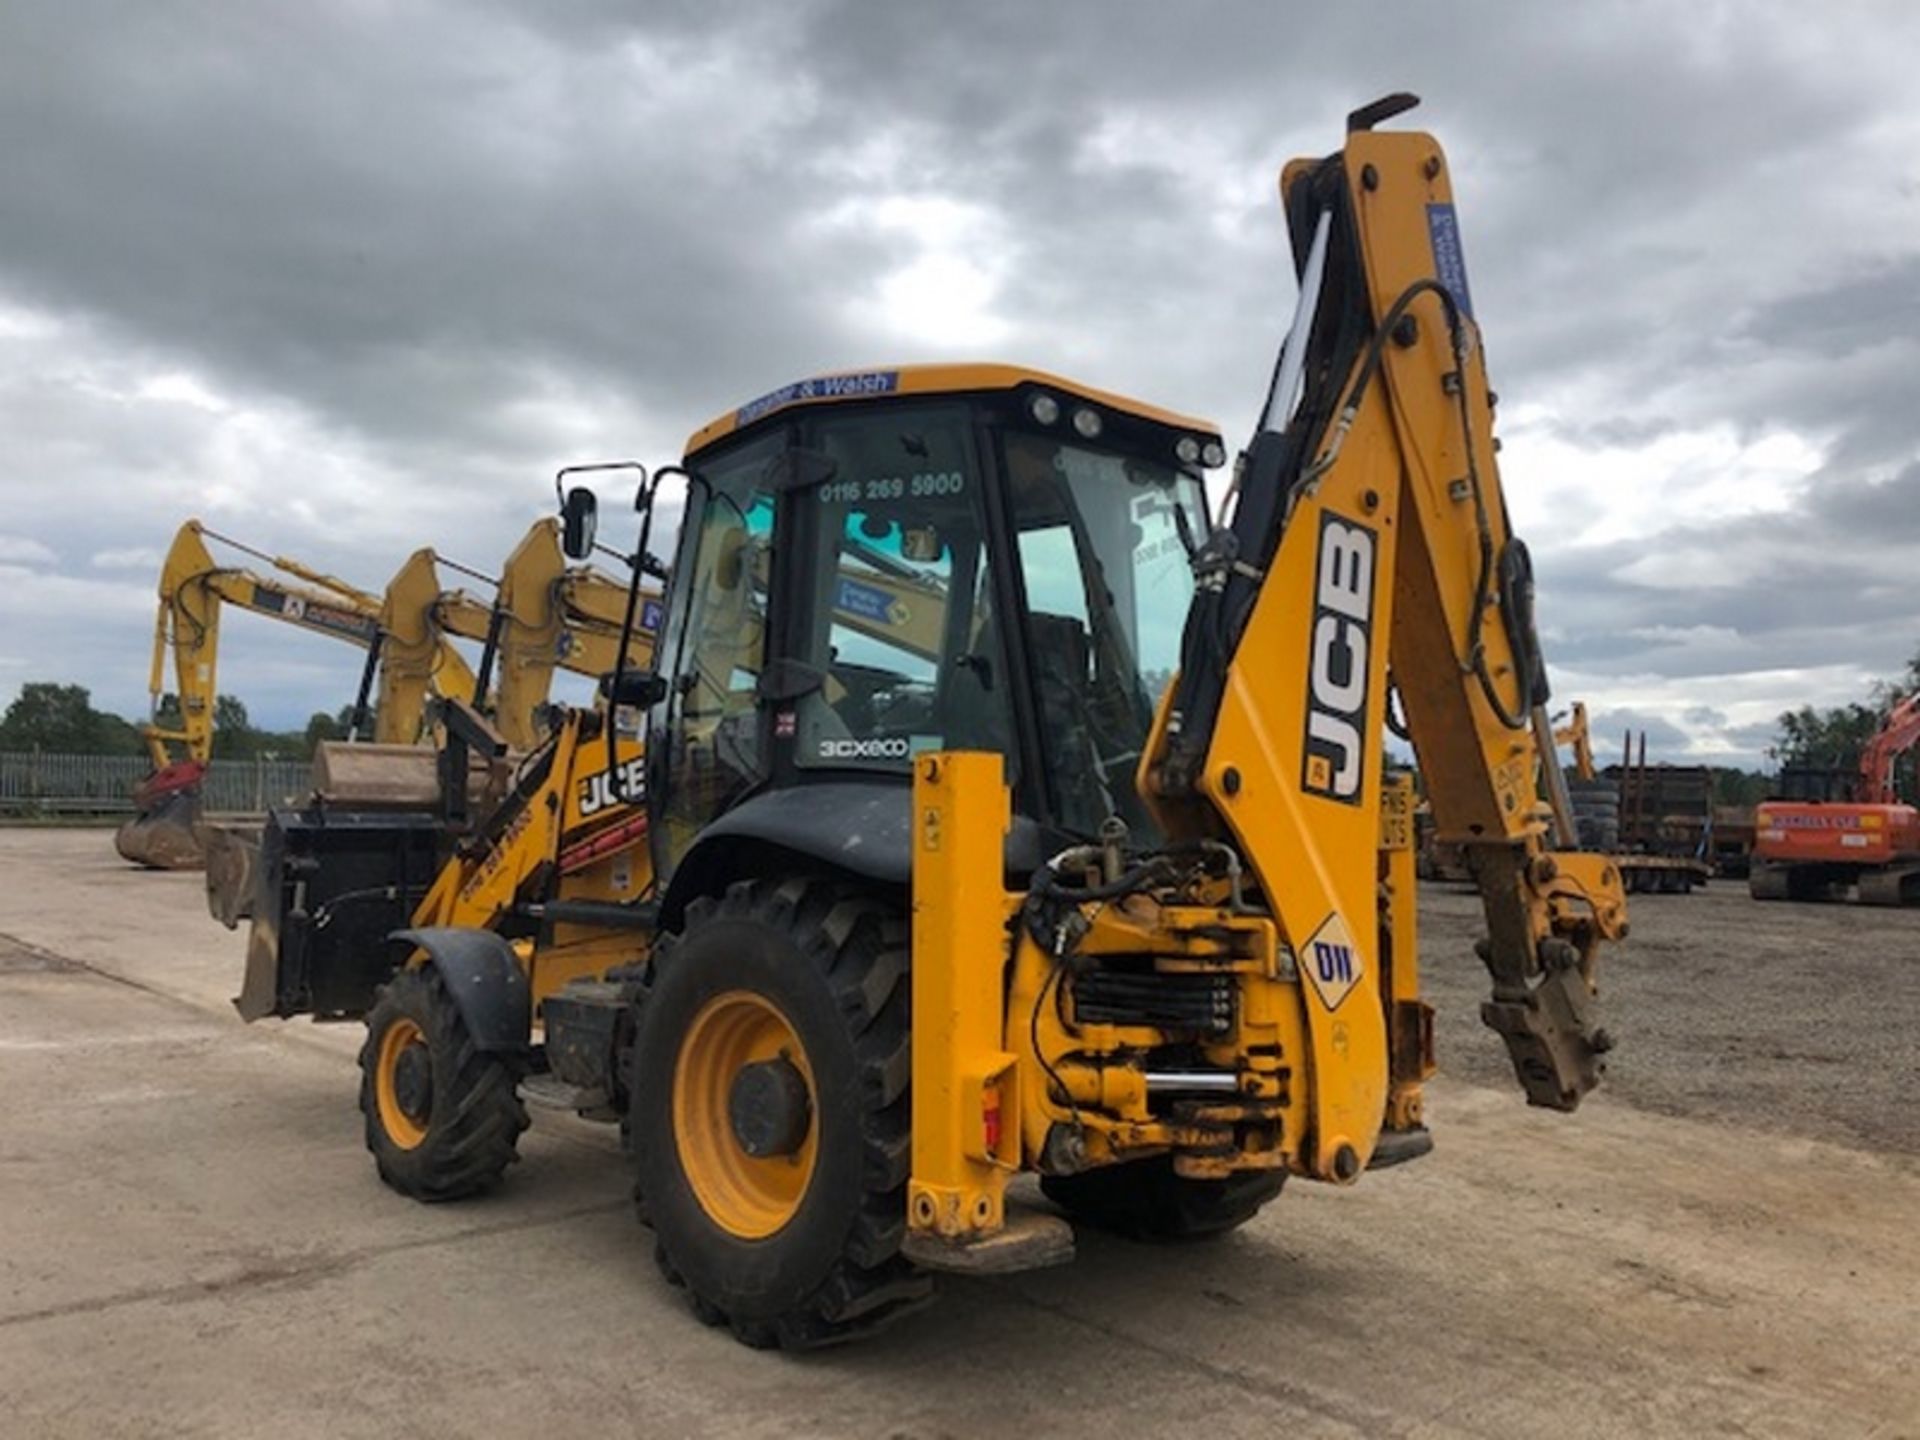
(1333, 962)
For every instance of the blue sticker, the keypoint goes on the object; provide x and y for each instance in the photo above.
(825, 387)
(1449, 261)
(864, 602)
(652, 617)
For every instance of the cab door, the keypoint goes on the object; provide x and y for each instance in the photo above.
(707, 742)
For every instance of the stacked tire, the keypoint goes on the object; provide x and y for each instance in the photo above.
(1596, 815)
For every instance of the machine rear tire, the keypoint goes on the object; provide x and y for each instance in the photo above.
(816, 972)
(443, 1118)
(1145, 1200)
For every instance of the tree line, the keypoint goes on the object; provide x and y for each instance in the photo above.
(1833, 738)
(61, 719)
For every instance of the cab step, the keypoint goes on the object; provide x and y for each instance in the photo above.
(549, 1092)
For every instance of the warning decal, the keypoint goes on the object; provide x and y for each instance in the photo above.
(1332, 961)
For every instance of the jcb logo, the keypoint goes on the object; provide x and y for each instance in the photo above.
(1338, 662)
(597, 795)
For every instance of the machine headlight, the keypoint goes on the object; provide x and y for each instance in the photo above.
(1214, 455)
(1187, 449)
(1044, 408)
(1087, 423)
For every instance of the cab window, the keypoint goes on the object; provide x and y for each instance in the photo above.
(897, 625)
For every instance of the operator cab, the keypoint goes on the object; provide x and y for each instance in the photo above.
(938, 558)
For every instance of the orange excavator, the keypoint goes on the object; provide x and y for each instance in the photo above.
(1807, 849)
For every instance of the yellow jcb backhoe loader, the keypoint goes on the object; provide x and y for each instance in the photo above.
(1113, 887)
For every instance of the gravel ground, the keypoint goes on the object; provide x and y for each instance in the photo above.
(1796, 1018)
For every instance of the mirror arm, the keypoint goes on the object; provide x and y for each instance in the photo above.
(643, 501)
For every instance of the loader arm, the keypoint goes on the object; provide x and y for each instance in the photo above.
(1370, 531)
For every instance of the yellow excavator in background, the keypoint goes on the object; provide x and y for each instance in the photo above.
(1110, 883)
(193, 588)
(546, 615)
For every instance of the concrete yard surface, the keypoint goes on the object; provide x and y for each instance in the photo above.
(193, 1242)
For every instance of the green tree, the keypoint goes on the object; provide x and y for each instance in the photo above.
(322, 726)
(61, 718)
(1739, 787)
(1826, 737)
(46, 716)
(1833, 739)
(1908, 683)
(118, 736)
(234, 737)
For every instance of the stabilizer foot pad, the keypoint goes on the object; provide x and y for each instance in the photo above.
(1396, 1147)
(1028, 1241)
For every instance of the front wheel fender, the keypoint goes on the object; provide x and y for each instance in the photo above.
(485, 978)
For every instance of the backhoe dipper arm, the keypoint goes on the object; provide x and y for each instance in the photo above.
(417, 659)
(1370, 527)
(193, 587)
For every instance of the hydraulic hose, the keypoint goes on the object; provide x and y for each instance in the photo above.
(1509, 562)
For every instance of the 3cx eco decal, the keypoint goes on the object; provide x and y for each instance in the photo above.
(1338, 673)
(876, 747)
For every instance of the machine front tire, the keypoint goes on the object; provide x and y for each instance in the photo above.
(1146, 1200)
(777, 1198)
(443, 1119)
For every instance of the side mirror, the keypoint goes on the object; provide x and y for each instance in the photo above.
(579, 519)
(640, 689)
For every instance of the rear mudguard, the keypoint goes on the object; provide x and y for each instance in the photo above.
(486, 981)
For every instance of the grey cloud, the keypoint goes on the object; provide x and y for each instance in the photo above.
(1869, 308)
(1662, 736)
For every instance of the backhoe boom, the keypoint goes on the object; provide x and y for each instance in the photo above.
(1371, 540)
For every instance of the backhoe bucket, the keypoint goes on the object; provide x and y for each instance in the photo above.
(163, 834)
(164, 837)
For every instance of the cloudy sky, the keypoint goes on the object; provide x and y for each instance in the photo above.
(346, 279)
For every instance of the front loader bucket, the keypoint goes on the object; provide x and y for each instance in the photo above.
(232, 856)
(163, 835)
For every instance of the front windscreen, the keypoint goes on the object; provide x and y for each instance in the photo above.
(898, 624)
(1103, 559)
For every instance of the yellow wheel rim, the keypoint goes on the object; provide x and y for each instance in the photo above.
(399, 1038)
(746, 1195)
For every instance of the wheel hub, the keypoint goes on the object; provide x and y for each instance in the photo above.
(413, 1082)
(745, 1123)
(769, 1108)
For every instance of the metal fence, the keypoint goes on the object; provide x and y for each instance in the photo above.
(36, 783)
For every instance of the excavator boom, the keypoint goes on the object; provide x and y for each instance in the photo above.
(1877, 758)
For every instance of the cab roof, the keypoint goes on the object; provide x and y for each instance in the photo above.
(928, 380)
